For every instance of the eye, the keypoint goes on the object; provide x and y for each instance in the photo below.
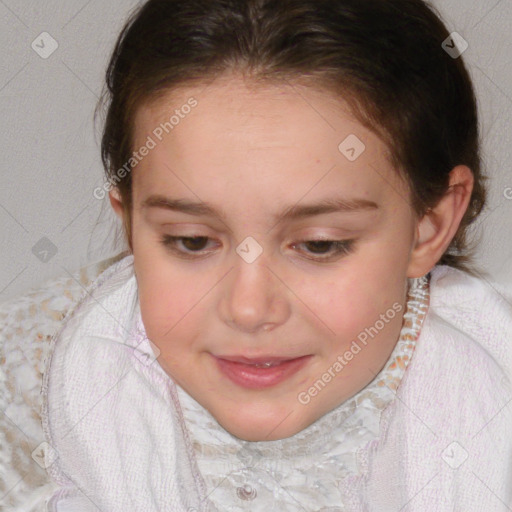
(321, 247)
(194, 247)
(193, 244)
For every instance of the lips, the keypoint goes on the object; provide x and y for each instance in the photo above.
(260, 372)
(269, 361)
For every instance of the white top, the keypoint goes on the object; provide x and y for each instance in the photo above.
(121, 434)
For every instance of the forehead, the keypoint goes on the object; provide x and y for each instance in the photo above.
(259, 139)
(233, 103)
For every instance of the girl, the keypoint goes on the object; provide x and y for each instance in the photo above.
(297, 325)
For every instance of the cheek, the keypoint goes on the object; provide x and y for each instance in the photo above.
(171, 324)
(167, 297)
(356, 301)
(167, 314)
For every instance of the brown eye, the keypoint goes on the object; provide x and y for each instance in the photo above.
(319, 246)
(331, 248)
(191, 244)
(194, 244)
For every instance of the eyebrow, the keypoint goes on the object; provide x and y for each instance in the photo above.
(325, 206)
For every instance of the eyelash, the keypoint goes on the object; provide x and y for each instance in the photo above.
(342, 247)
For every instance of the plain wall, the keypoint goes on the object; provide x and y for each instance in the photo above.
(50, 146)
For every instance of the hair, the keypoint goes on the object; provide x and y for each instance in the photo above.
(383, 57)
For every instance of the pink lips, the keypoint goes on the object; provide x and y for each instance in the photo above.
(244, 372)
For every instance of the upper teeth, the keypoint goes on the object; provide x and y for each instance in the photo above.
(265, 365)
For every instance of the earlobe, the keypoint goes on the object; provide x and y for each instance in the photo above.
(435, 231)
(115, 201)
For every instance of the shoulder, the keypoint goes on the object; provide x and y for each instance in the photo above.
(451, 420)
(470, 292)
(474, 313)
(27, 324)
(460, 374)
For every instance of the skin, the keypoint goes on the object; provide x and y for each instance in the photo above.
(253, 152)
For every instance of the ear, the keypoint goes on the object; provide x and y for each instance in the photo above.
(435, 231)
(115, 201)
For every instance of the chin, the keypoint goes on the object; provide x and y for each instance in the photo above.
(251, 428)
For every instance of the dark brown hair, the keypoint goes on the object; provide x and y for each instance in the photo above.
(384, 57)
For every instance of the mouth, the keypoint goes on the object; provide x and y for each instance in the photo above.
(261, 372)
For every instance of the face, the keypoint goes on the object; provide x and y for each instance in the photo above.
(268, 243)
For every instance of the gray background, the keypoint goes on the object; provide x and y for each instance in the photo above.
(50, 146)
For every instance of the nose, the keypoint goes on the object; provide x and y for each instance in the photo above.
(254, 298)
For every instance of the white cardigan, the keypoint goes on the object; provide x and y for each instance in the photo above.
(445, 441)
